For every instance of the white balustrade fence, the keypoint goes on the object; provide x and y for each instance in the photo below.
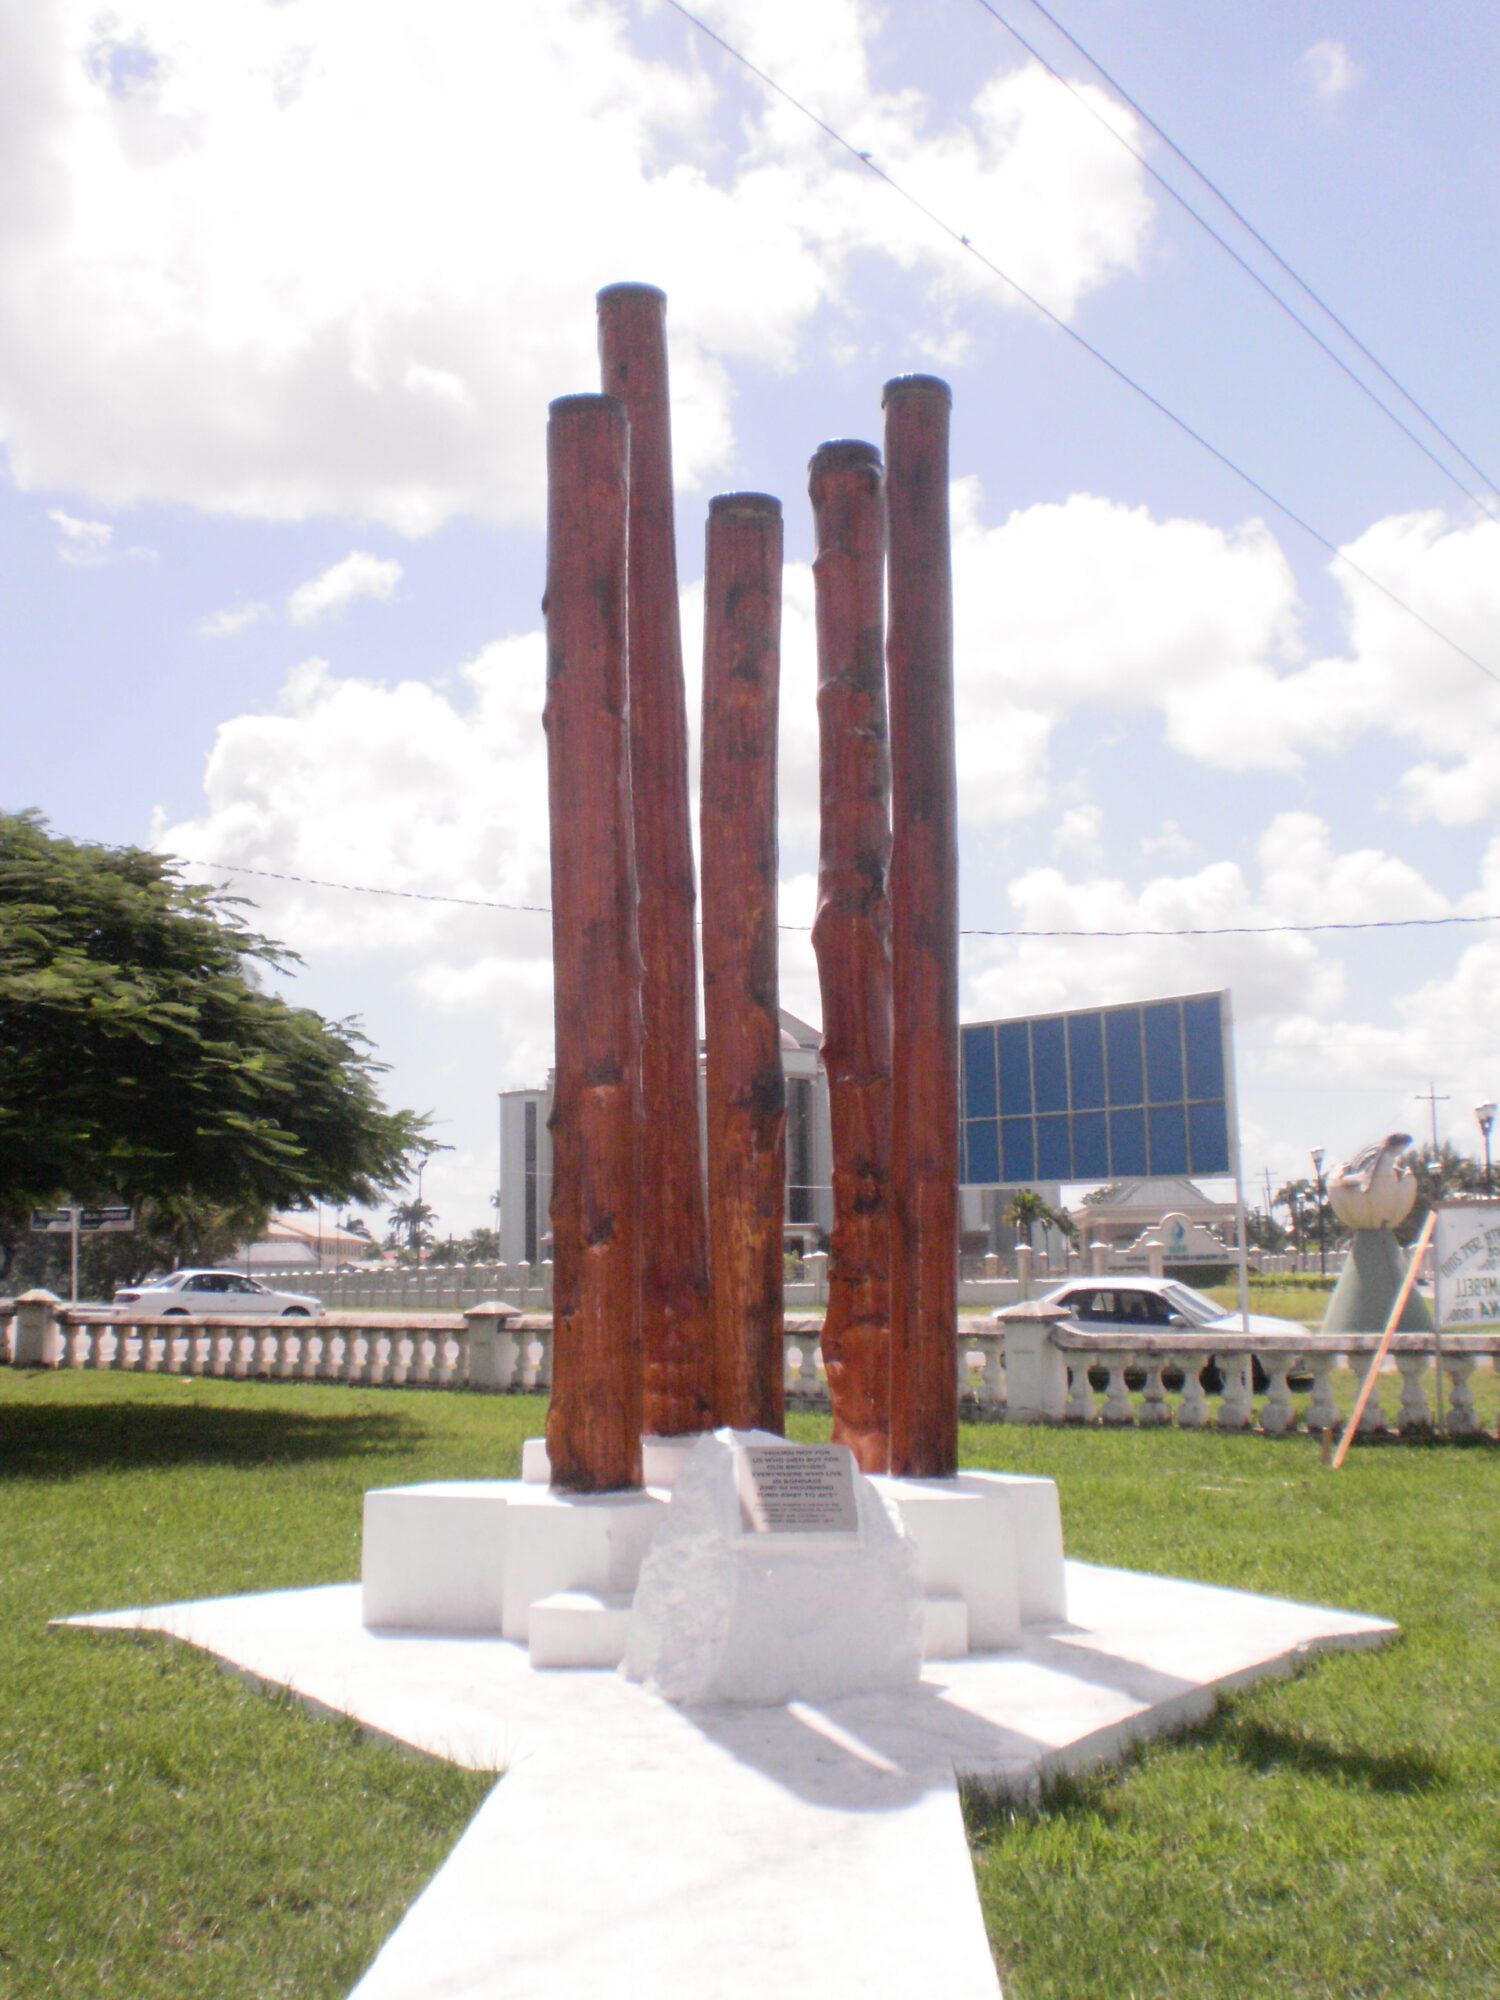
(1040, 1368)
(456, 1287)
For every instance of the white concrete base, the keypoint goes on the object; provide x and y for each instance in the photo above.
(434, 1556)
(945, 1628)
(475, 1555)
(661, 1460)
(568, 1542)
(992, 1538)
(636, 1849)
(578, 1628)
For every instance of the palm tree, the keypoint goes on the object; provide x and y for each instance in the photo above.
(411, 1219)
(1026, 1211)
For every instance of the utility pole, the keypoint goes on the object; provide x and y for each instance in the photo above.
(1431, 1099)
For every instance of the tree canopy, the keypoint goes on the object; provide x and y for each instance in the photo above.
(145, 1060)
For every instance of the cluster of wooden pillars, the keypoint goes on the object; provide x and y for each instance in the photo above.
(667, 1270)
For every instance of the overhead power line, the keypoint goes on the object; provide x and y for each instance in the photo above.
(1271, 251)
(542, 910)
(957, 236)
(1479, 498)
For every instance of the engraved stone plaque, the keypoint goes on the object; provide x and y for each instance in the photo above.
(796, 1490)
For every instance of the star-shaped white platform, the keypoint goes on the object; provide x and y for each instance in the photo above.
(634, 1850)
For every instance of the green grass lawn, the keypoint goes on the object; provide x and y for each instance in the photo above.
(168, 1832)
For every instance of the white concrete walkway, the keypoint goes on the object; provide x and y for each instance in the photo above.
(635, 1851)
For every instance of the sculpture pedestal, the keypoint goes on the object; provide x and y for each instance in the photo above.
(482, 1555)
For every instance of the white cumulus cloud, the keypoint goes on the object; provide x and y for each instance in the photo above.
(334, 259)
(330, 593)
(1332, 69)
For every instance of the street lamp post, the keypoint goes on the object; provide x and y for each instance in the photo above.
(1485, 1113)
(1317, 1160)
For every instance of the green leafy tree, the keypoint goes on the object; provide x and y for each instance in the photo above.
(145, 1061)
(481, 1246)
(1440, 1177)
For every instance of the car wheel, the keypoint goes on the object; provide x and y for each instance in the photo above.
(295, 1312)
(176, 1312)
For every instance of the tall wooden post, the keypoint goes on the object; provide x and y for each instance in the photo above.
(852, 936)
(924, 933)
(676, 1334)
(746, 1086)
(594, 1421)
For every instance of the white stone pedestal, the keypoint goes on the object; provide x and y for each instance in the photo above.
(992, 1540)
(662, 1458)
(483, 1555)
(434, 1556)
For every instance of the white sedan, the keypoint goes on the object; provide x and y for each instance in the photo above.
(1154, 1305)
(215, 1295)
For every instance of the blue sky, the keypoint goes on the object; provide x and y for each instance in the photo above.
(289, 284)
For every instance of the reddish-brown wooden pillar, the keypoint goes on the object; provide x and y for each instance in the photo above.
(594, 1421)
(676, 1336)
(746, 1087)
(852, 936)
(924, 933)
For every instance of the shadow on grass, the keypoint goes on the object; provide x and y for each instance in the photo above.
(62, 1443)
(1259, 1746)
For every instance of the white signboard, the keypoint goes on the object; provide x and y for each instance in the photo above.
(1466, 1257)
(796, 1489)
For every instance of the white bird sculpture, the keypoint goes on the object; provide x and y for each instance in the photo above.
(1376, 1188)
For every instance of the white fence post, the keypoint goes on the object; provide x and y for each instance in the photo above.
(492, 1351)
(1036, 1375)
(35, 1342)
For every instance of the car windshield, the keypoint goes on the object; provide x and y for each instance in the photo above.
(1193, 1306)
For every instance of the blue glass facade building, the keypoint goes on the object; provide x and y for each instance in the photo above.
(1107, 1093)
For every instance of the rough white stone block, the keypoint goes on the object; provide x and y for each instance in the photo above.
(579, 1628)
(434, 1555)
(945, 1628)
(726, 1615)
(572, 1541)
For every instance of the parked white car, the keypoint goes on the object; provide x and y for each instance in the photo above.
(215, 1295)
(1158, 1305)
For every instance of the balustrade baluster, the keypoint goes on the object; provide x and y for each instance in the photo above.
(119, 1356)
(1080, 1409)
(543, 1379)
(424, 1346)
(372, 1373)
(1236, 1412)
(1415, 1413)
(398, 1348)
(1193, 1413)
(1153, 1408)
(1119, 1407)
(288, 1363)
(1322, 1411)
(450, 1360)
(1463, 1418)
(1279, 1413)
(808, 1383)
(1373, 1419)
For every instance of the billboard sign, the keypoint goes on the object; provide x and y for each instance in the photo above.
(1100, 1094)
(1466, 1259)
